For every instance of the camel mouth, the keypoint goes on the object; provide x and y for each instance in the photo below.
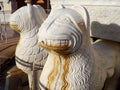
(56, 45)
(15, 27)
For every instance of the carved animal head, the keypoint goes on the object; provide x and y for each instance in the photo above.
(62, 31)
(27, 18)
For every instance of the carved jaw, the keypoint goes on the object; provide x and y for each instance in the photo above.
(60, 43)
(55, 44)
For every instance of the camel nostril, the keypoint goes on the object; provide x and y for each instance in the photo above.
(42, 42)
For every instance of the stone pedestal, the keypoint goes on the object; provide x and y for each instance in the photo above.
(15, 79)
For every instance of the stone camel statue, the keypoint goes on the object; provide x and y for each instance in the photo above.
(74, 62)
(29, 56)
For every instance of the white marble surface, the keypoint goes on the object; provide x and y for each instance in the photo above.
(87, 2)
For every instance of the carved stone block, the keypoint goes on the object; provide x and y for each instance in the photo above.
(105, 22)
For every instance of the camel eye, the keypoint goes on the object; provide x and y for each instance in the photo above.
(42, 42)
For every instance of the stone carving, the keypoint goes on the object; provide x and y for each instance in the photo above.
(74, 63)
(29, 56)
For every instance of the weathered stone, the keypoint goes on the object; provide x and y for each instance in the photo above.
(104, 16)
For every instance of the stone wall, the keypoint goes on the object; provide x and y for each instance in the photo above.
(87, 2)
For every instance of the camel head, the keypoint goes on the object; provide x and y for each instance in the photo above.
(62, 31)
(27, 17)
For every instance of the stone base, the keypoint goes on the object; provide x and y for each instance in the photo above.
(16, 80)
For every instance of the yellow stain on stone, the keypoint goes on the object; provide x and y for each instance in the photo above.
(65, 70)
(54, 72)
(15, 27)
(65, 83)
(81, 25)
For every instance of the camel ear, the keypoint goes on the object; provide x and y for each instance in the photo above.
(84, 13)
(31, 14)
(30, 10)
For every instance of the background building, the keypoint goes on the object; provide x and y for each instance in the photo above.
(19, 3)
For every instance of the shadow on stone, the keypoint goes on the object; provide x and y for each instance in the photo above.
(110, 32)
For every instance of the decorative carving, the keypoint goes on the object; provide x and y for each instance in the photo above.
(74, 63)
(29, 56)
